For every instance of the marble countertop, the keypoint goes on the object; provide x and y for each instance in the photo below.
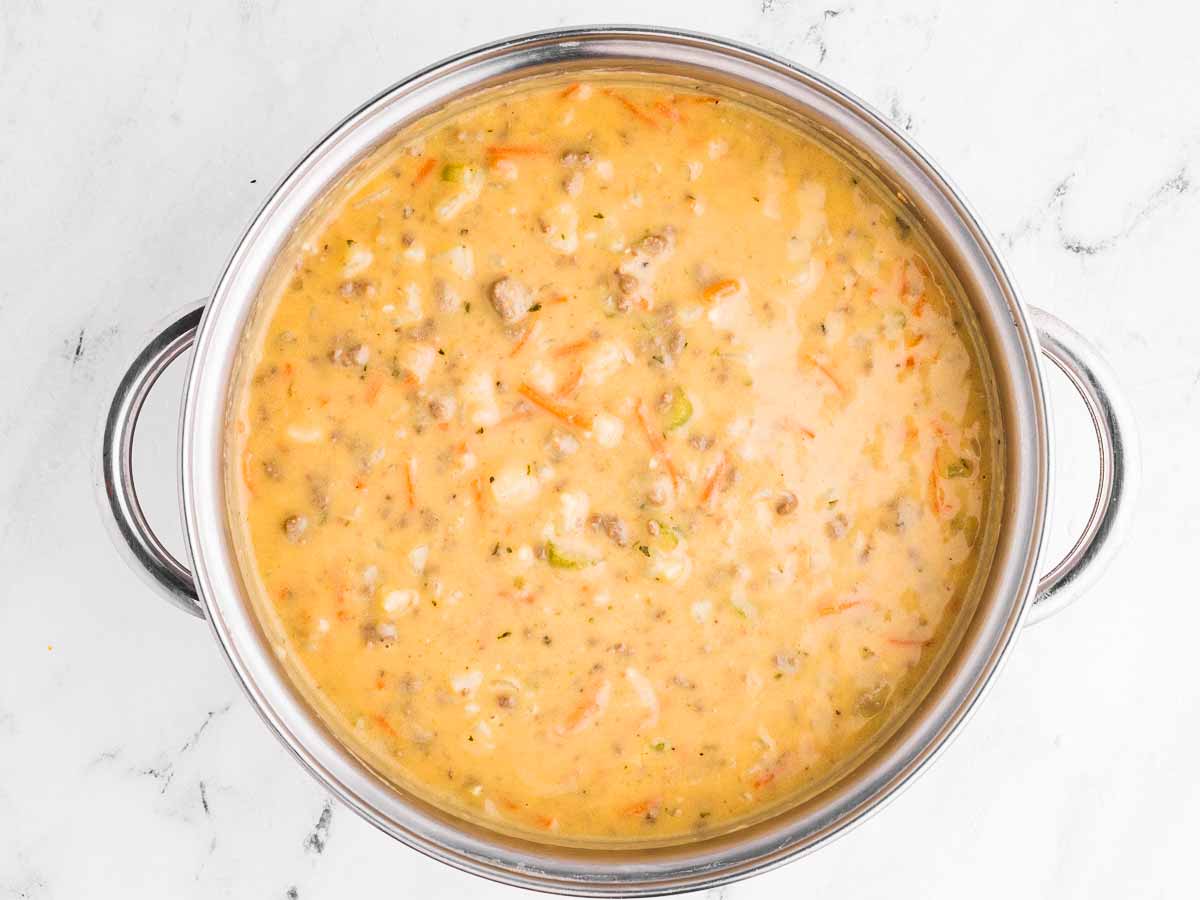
(138, 138)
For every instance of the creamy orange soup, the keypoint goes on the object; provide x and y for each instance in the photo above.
(611, 461)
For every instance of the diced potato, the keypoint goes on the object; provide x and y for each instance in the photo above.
(607, 429)
(515, 487)
(399, 602)
(458, 261)
(408, 310)
(417, 360)
(305, 434)
(358, 260)
(575, 505)
(467, 683)
(479, 399)
(561, 227)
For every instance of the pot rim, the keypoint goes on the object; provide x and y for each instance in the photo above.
(1011, 347)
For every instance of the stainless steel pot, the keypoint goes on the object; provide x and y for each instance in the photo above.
(1014, 338)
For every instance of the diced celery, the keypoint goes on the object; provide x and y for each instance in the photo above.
(562, 560)
(679, 412)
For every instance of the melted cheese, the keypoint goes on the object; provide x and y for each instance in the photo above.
(610, 461)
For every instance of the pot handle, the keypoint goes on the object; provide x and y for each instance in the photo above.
(1120, 466)
(144, 551)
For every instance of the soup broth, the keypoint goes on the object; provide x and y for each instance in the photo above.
(610, 460)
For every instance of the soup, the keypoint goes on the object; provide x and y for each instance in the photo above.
(611, 461)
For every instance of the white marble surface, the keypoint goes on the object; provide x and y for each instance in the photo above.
(135, 141)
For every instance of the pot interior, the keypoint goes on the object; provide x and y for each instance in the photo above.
(951, 684)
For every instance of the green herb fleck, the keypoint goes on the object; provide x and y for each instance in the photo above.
(679, 411)
(959, 468)
(562, 560)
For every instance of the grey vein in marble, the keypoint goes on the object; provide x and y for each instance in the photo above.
(318, 838)
(1176, 185)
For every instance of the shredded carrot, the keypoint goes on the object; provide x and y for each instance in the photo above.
(552, 406)
(910, 431)
(669, 113)
(935, 491)
(792, 425)
(710, 486)
(573, 347)
(374, 386)
(557, 300)
(914, 340)
(643, 807)
(246, 472)
(385, 725)
(824, 370)
(841, 607)
(477, 493)
(408, 480)
(287, 369)
(571, 384)
(523, 340)
(507, 151)
(546, 822)
(526, 597)
(571, 90)
(919, 307)
(721, 290)
(657, 445)
(425, 170)
(763, 779)
(585, 708)
(633, 108)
